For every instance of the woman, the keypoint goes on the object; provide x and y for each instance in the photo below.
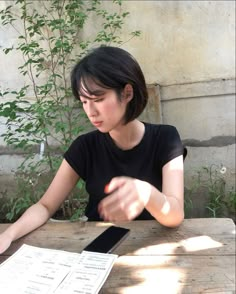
(133, 170)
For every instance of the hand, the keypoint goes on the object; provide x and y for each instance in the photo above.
(5, 242)
(128, 197)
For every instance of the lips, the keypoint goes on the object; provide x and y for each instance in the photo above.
(97, 123)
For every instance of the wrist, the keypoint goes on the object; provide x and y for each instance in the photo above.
(145, 191)
(9, 234)
(157, 201)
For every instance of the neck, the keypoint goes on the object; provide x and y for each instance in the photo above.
(129, 135)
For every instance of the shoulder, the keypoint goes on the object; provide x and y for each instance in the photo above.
(80, 152)
(87, 138)
(162, 130)
(166, 139)
(85, 142)
(168, 142)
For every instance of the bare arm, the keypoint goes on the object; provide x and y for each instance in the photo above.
(168, 206)
(36, 215)
(129, 196)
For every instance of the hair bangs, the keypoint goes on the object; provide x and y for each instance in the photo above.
(89, 86)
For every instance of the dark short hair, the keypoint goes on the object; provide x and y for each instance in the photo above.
(111, 68)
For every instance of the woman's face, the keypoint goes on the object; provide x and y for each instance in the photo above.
(104, 109)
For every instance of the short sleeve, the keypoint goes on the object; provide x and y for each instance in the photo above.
(76, 156)
(171, 144)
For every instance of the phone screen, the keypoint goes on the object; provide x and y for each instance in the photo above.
(108, 240)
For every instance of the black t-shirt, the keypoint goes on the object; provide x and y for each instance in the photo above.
(96, 159)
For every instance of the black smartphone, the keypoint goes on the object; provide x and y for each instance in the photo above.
(107, 241)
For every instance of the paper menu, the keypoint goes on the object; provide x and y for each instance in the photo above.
(88, 275)
(32, 270)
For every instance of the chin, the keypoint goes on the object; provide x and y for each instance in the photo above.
(103, 129)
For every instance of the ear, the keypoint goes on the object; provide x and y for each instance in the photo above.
(128, 92)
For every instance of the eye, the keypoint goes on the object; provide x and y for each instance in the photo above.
(83, 102)
(98, 100)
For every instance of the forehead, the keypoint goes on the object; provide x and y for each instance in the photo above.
(90, 87)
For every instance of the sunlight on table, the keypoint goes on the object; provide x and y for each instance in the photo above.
(187, 245)
(158, 275)
(160, 248)
(200, 243)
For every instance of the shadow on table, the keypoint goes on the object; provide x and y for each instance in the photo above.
(182, 264)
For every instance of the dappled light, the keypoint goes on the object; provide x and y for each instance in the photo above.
(163, 281)
(186, 245)
(200, 243)
(160, 248)
(103, 224)
(197, 257)
(165, 208)
(152, 271)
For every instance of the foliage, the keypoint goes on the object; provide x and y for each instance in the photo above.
(188, 203)
(220, 200)
(49, 39)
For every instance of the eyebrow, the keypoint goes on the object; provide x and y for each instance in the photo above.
(92, 93)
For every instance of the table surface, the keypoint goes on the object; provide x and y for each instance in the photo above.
(197, 257)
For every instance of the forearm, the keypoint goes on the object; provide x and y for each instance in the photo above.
(166, 209)
(33, 218)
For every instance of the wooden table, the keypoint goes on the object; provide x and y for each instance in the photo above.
(197, 257)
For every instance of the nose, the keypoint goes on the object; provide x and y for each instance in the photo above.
(90, 108)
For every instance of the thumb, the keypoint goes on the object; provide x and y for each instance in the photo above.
(114, 184)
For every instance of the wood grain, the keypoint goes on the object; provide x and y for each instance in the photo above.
(197, 257)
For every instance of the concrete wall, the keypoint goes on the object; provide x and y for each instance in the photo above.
(204, 113)
(184, 41)
(187, 53)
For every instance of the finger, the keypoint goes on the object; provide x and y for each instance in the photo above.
(114, 184)
(117, 198)
(128, 214)
(116, 206)
(107, 204)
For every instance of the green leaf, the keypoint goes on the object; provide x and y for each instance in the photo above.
(7, 50)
